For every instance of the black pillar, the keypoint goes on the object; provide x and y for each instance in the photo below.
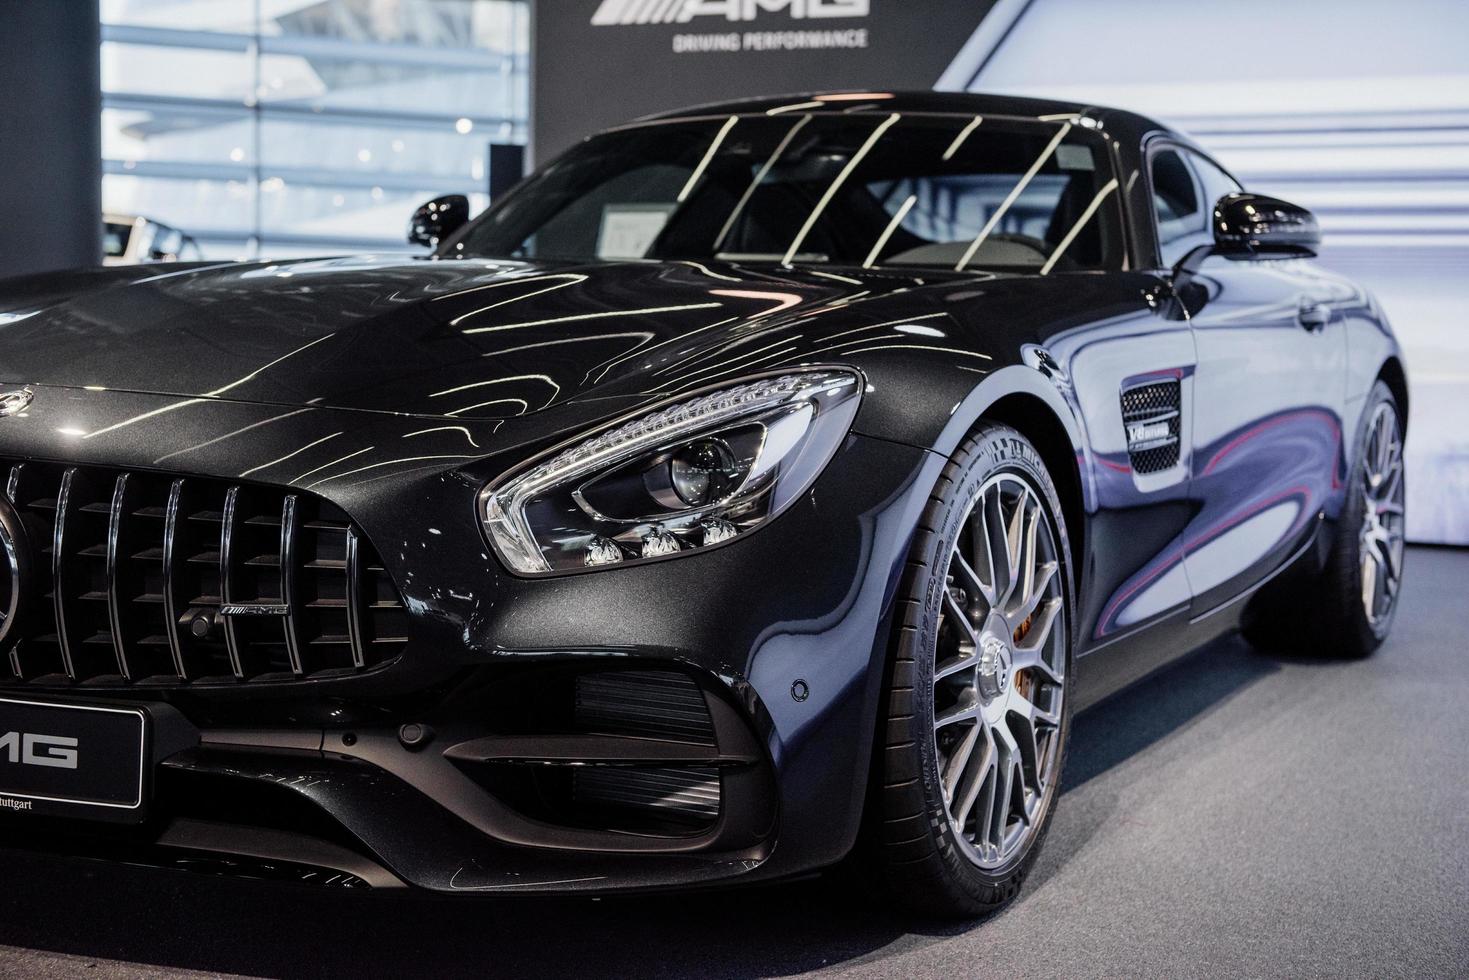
(50, 135)
(507, 166)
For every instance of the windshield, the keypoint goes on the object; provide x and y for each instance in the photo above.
(863, 189)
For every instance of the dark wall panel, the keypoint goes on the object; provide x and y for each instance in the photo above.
(50, 135)
(601, 62)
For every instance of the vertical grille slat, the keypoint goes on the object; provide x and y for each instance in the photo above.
(289, 595)
(355, 598)
(60, 594)
(227, 579)
(12, 484)
(115, 598)
(132, 571)
(171, 579)
(34, 489)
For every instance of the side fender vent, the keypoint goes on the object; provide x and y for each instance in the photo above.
(1150, 416)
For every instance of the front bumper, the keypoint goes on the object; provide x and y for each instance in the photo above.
(455, 768)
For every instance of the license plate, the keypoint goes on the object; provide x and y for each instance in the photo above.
(73, 760)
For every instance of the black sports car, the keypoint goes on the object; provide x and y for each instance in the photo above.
(754, 486)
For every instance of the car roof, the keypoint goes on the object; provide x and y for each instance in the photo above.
(919, 102)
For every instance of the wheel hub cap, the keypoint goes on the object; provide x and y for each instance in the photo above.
(994, 666)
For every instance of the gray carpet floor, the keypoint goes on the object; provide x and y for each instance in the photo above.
(1239, 814)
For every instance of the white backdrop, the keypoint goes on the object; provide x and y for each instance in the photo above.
(1354, 108)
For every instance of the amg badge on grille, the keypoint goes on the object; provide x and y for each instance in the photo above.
(254, 609)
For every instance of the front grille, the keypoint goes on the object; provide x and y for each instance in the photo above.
(1150, 416)
(139, 577)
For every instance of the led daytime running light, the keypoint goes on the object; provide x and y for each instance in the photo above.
(504, 506)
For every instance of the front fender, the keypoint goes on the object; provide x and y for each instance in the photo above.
(951, 404)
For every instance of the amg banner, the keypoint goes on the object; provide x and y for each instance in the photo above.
(601, 62)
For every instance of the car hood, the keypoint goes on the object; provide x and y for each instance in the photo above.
(469, 339)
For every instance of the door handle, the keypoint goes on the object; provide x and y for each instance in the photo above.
(1313, 316)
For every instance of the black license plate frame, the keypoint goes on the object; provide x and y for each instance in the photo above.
(74, 760)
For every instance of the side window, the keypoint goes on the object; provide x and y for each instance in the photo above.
(1214, 181)
(1178, 206)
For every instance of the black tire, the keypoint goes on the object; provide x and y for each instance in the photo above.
(908, 840)
(1323, 615)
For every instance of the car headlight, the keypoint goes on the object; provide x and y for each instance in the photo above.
(693, 474)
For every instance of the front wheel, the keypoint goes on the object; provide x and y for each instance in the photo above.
(973, 732)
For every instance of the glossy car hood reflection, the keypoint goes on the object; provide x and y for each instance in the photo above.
(459, 339)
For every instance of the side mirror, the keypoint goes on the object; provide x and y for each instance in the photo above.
(438, 219)
(1247, 225)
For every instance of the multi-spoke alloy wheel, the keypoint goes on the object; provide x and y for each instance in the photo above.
(974, 724)
(999, 672)
(1380, 540)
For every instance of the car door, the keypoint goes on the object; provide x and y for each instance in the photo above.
(1132, 378)
(1269, 389)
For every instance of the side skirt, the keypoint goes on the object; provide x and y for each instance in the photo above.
(1106, 671)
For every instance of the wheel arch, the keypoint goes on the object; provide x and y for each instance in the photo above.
(1395, 377)
(1032, 418)
(1027, 400)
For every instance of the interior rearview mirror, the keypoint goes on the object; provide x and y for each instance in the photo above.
(438, 219)
(1247, 225)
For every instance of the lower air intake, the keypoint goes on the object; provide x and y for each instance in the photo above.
(645, 703)
(652, 704)
(682, 795)
(641, 757)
